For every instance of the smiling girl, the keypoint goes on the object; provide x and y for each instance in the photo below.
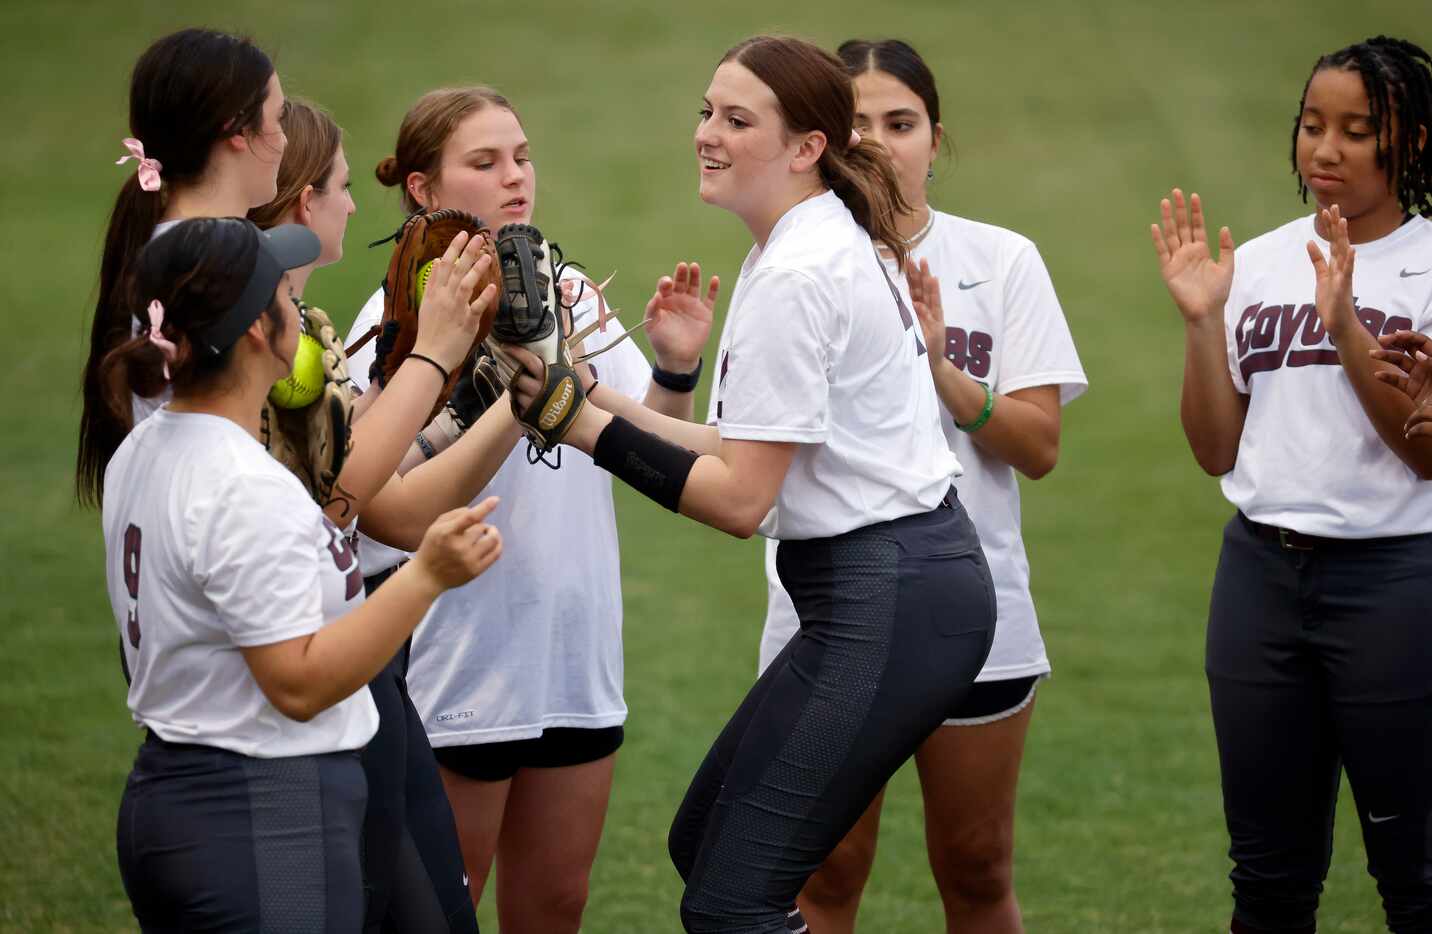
(827, 437)
(1314, 662)
(1003, 363)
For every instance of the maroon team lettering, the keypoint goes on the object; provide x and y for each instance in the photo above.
(1265, 334)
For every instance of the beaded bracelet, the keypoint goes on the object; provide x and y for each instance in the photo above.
(425, 446)
(979, 423)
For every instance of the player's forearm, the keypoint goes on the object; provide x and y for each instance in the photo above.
(407, 505)
(1387, 407)
(1018, 432)
(703, 439)
(385, 433)
(1211, 408)
(668, 402)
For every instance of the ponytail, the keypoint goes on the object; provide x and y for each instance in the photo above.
(136, 212)
(864, 178)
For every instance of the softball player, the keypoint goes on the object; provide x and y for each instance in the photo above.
(1004, 364)
(240, 609)
(519, 683)
(1314, 663)
(412, 865)
(827, 438)
(202, 106)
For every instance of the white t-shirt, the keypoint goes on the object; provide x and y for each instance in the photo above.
(1004, 327)
(212, 546)
(816, 350)
(522, 649)
(1309, 458)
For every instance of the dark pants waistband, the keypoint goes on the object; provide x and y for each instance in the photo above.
(1293, 540)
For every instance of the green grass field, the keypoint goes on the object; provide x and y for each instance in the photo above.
(1069, 120)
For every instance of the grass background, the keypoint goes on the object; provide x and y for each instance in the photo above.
(1069, 120)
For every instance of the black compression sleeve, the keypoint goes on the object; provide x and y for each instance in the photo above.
(647, 463)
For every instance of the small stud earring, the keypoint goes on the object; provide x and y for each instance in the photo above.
(930, 173)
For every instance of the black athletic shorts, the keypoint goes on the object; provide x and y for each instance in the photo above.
(212, 840)
(555, 748)
(989, 701)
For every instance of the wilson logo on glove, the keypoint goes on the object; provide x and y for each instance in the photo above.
(557, 407)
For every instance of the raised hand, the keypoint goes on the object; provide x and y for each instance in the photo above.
(1198, 284)
(679, 317)
(458, 546)
(450, 314)
(1334, 274)
(925, 293)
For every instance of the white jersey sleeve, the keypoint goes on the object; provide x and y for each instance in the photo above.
(255, 560)
(1038, 348)
(780, 355)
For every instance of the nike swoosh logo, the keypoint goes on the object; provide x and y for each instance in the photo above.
(1408, 275)
(1374, 819)
(970, 285)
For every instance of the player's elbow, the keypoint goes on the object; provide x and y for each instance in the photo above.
(1041, 461)
(295, 701)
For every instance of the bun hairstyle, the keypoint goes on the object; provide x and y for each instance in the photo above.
(313, 141)
(188, 91)
(197, 271)
(1397, 76)
(425, 130)
(814, 92)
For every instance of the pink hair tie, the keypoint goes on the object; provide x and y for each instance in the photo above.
(157, 338)
(148, 168)
(854, 139)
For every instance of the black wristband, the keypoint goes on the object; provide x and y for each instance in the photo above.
(425, 446)
(651, 465)
(677, 382)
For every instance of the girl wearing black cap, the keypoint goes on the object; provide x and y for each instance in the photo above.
(240, 605)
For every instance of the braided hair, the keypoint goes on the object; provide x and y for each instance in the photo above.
(1397, 76)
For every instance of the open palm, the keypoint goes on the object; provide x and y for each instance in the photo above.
(679, 316)
(1197, 282)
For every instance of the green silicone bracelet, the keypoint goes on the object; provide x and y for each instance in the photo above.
(979, 423)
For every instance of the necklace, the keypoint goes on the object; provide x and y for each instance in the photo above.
(923, 232)
(913, 242)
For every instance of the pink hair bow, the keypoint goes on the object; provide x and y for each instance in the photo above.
(157, 338)
(148, 168)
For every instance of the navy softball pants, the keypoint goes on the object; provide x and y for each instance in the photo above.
(1319, 660)
(896, 621)
(211, 840)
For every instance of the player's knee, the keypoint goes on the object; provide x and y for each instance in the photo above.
(841, 878)
(975, 867)
(564, 901)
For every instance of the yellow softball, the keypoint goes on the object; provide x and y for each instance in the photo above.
(423, 275)
(302, 386)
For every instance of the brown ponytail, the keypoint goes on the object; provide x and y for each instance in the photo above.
(188, 91)
(814, 92)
